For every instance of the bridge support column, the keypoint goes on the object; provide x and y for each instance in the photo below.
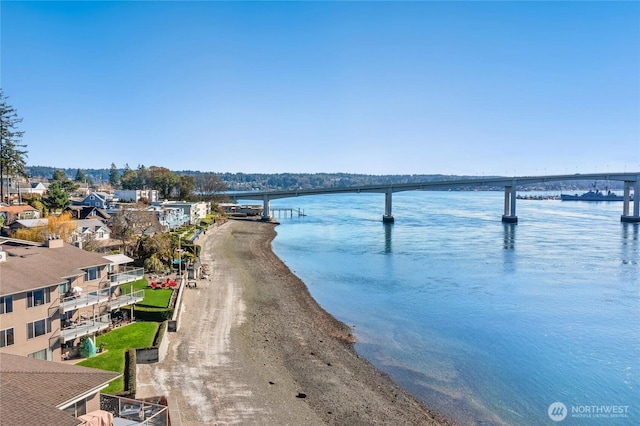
(626, 216)
(388, 217)
(266, 208)
(509, 215)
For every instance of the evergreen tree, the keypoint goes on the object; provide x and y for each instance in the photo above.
(80, 176)
(12, 152)
(59, 176)
(130, 179)
(114, 176)
(63, 180)
(57, 197)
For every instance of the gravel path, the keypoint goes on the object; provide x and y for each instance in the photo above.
(254, 348)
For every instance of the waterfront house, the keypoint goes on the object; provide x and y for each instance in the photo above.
(195, 211)
(53, 295)
(37, 392)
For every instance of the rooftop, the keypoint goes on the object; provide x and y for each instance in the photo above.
(30, 266)
(44, 387)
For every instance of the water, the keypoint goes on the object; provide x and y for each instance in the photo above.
(486, 323)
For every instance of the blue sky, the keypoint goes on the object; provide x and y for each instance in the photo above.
(479, 88)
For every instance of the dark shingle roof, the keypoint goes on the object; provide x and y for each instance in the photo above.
(31, 267)
(32, 391)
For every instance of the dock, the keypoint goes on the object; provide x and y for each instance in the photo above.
(287, 212)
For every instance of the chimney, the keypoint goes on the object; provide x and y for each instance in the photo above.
(54, 241)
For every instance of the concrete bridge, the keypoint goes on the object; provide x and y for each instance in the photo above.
(631, 181)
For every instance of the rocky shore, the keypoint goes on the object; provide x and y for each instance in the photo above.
(253, 347)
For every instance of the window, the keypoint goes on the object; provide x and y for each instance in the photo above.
(65, 287)
(44, 354)
(77, 409)
(38, 297)
(6, 304)
(6, 337)
(92, 274)
(38, 328)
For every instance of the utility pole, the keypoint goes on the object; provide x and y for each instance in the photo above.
(179, 258)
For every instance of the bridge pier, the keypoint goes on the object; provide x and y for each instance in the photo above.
(265, 208)
(388, 217)
(635, 217)
(509, 215)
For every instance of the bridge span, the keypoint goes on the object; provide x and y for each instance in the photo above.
(631, 183)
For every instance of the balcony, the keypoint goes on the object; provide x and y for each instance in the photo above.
(127, 276)
(85, 327)
(126, 299)
(82, 301)
(139, 412)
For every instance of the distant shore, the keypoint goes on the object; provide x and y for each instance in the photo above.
(253, 347)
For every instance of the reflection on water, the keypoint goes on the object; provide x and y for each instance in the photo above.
(387, 237)
(630, 242)
(509, 236)
(508, 247)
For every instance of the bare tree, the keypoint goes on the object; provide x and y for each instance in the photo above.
(209, 185)
(130, 223)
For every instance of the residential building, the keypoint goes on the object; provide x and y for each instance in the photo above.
(137, 195)
(12, 213)
(100, 200)
(196, 211)
(36, 224)
(34, 392)
(20, 188)
(87, 212)
(170, 217)
(90, 231)
(53, 295)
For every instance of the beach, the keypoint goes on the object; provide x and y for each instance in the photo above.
(253, 347)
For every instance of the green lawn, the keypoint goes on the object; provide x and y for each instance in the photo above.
(136, 335)
(158, 298)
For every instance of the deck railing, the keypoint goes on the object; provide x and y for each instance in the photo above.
(83, 300)
(127, 276)
(142, 412)
(126, 299)
(85, 327)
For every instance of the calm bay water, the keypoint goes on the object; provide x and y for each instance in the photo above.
(486, 323)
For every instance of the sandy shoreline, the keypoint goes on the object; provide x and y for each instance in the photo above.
(253, 347)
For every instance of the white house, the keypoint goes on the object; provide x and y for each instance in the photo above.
(90, 230)
(135, 195)
(195, 211)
